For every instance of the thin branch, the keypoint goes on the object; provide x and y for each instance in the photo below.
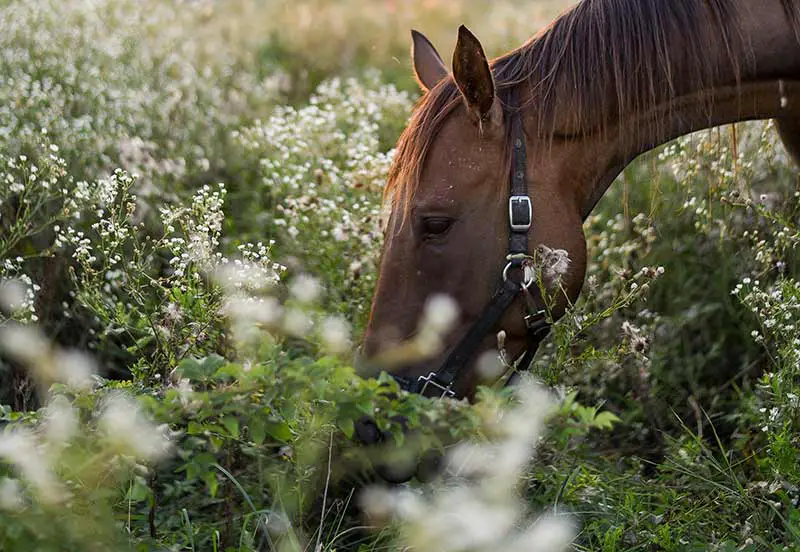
(318, 547)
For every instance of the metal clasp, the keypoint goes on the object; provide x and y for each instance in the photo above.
(534, 320)
(520, 213)
(525, 261)
(431, 380)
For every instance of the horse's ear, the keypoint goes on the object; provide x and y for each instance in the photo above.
(474, 78)
(428, 65)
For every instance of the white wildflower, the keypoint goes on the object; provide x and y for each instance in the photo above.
(339, 234)
(185, 391)
(546, 534)
(482, 512)
(24, 343)
(253, 310)
(10, 494)
(296, 323)
(305, 289)
(490, 365)
(60, 421)
(554, 263)
(75, 368)
(440, 314)
(19, 448)
(633, 335)
(12, 294)
(336, 334)
(501, 340)
(127, 429)
(469, 522)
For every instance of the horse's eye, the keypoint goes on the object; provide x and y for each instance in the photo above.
(435, 226)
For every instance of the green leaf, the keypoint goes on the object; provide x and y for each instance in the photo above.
(189, 368)
(232, 425)
(195, 429)
(605, 420)
(257, 430)
(199, 466)
(141, 343)
(229, 370)
(210, 479)
(200, 370)
(138, 491)
(279, 431)
(212, 363)
(347, 427)
(365, 407)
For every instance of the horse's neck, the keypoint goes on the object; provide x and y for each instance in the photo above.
(759, 50)
(771, 29)
(759, 81)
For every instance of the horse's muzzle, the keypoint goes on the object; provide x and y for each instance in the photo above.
(398, 468)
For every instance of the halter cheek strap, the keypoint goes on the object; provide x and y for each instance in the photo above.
(441, 383)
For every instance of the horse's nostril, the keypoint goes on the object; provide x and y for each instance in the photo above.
(430, 466)
(397, 470)
(367, 431)
(399, 464)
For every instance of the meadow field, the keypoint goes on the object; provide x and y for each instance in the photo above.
(190, 197)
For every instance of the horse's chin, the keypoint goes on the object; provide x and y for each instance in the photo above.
(399, 465)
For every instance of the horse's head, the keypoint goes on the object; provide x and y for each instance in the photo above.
(447, 231)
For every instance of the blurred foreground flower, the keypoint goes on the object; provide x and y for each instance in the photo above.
(439, 316)
(10, 494)
(20, 448)
(47, 364)
(335, 334)
(305, 288)
(479, 508)
(50, 455)
(130, 433)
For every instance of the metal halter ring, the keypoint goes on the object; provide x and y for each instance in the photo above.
(525, 283)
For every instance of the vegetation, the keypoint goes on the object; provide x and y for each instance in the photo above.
(189, 230)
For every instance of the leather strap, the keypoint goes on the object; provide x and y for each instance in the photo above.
(518, 239)
(469, 344)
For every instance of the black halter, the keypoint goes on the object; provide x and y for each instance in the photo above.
(520, 219)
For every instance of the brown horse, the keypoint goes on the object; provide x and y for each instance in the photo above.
(606, 82)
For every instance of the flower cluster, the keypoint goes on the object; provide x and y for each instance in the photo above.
(324, 165)
(153, 94)
(65, 461)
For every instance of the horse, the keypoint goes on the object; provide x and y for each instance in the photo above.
(504, 159)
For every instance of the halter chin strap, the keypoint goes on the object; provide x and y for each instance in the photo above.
(520, 219)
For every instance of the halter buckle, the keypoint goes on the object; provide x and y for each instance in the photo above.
(520, 213)
(432, 381)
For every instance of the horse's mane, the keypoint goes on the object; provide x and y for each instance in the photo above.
(603, 58)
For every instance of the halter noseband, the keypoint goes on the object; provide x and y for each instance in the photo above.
(520, 219)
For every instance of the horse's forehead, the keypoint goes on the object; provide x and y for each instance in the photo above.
(459, 151)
